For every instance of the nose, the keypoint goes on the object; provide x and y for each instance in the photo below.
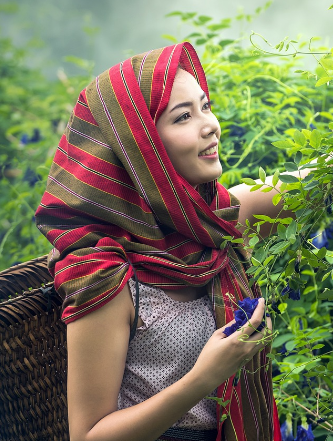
(210, 126)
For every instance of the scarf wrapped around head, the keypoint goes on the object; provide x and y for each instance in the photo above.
(114, 202)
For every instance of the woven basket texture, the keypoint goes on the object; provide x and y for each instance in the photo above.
(33, 356)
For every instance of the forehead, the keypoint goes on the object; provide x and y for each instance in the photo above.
(184, 86)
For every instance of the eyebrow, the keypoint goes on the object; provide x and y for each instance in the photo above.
(187, 103)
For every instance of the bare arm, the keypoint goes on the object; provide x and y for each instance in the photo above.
(97, 347)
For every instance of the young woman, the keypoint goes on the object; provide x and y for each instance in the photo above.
(137, 219)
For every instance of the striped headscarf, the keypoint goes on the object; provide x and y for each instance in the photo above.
(114, 203)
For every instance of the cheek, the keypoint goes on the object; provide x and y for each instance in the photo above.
(178, 145)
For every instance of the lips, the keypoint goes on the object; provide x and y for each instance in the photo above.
(210, 150)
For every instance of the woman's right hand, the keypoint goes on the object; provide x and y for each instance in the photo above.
(222, 356)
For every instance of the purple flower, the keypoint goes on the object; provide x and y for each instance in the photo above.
(24, 139)
(237, 131)
(293, 294)
(329, 231)
(283, 351)
(286, 431)
(31, 177)
(320, 239)
(36, 137)
(328, 203)
(304, 434)
(243, 314)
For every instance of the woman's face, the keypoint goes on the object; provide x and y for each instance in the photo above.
(190, 131)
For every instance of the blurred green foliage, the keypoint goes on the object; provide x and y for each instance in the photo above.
(277, 117)
(271, 119)
(33, 114)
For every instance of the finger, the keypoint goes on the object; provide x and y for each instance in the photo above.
(226, 326)
(263, 337)
(269, 323)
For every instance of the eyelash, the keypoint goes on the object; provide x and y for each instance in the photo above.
(206, 106)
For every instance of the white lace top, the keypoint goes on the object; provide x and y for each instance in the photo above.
(165, 348)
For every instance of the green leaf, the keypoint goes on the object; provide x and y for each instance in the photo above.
(188, 15)
(269, 259)
(326, 294)
(308, 289)
(271, 356)
(327, 114)
(249, 181)
(321, 253)
(225, 42)
(281, 230)
(194, 34)
(323, 80)
(331, 7)
(279, 247)
(282, 307)
(290, 268)
(282, 144)
(170, 38)
(254, 240)
(307, 151)
(263, 217)
(315, 138)
(201, 41)
(254, 261)
(256, 187)
(281, 46)
(174, 13)
(288, 179)
(311, 185)
(251, 270)
(276, 198)
(204, 19)
(303, 351)
(275, 179)
(298, 157)
(290, 166)
(267, 189)
(291, 229)
(262, 174)
(260, 254)
(306, 133)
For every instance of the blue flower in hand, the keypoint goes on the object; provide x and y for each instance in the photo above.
(243, 314)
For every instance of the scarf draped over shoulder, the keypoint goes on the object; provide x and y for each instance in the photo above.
(115, 204)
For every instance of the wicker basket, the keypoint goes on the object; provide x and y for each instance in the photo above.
(33, 356)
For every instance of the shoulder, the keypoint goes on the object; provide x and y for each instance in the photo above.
(117, 310)
(97, 349)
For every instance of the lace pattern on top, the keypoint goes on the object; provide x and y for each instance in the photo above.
(165, 348)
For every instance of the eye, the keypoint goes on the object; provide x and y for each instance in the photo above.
(184, 117)
(207, 105)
